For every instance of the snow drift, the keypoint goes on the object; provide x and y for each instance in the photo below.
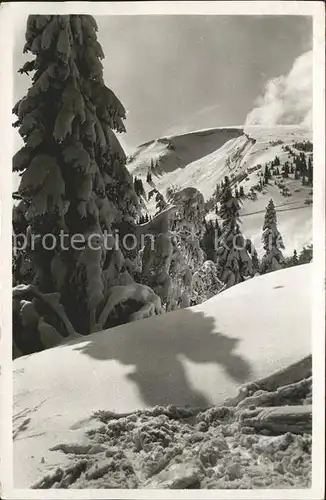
(197, 356)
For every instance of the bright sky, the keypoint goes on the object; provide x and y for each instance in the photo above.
(179, 73)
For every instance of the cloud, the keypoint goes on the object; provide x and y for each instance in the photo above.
(287, 99)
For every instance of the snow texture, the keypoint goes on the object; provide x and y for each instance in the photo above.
(174, 448)
(195, 357)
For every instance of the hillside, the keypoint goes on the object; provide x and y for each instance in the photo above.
(176, 152)
(197, 356)
(202, 159)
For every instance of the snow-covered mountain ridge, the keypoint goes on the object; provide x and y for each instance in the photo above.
(201, 159)
(176, 152)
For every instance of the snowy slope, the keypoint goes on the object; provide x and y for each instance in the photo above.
(294, 217)
(202, 159)
(198, 159)
(196, 356)
(178, 151)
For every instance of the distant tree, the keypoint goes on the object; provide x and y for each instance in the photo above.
(295, 259)
(310, 171)
(254, 256)
(286, 169)
(141, 187)
(253, 194)
(138, 186)
(272, 242)
(292, 260)
(171, 190)
(303, 167)
(303, 146)
(303, 179)
(208, 242)
(266, 174)
(297, 170)
(234, 263)
(161, 204)
(217, 192)
(217, 229)
(149, 177)
(241, 192)
(151, 193)
(276, 161)
(306, 255)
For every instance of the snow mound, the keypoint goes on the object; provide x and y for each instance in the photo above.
(197, 356)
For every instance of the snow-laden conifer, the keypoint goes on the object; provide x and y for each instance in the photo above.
(234, 260)
(72, 167)
(273, 259)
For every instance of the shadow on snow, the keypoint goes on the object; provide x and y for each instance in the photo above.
(154, 347)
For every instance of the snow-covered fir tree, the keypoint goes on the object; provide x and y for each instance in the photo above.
(205, 283)
(306, 255)
(254, 256)
(310, 170)
(267, 174)
(234, 261)
(273, 259)
(139, 188)
(161, 204)
(149, 177)
(208, 242)
(295, 259)
(177, 254)
(175, 266)
(73, 175)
